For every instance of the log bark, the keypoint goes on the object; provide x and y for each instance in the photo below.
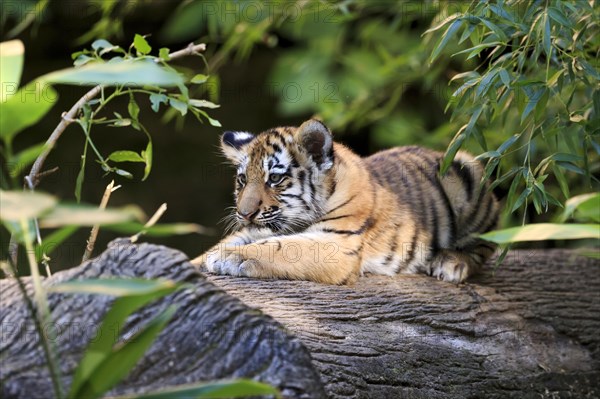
(211, 336)
(530, 329)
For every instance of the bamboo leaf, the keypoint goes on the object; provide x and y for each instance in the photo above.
(212, 390)
(446, 37)
(18, 205)
(543, 232)
(11, 68)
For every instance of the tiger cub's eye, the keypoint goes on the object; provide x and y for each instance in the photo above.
(275, 178)
(241, 179)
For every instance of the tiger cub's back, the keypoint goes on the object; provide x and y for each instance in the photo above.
(452, 207)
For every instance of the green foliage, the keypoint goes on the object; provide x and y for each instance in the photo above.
(105, 361)
(544, 231)
(535, 98)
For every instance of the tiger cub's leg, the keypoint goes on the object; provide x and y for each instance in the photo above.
(306, 256)
(216, 258)
(456, 265)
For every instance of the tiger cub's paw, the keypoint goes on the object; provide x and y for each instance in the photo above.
(450, 266)
(232, 264)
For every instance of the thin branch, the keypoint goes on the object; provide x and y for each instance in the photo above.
(157, 215)
(71, 115)
(94, 233)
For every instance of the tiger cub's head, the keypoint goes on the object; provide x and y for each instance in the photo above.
(282, 175)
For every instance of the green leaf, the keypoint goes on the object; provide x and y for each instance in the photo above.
(453, 148)
(19, 205)
(133, 108)
(444, 22)
(587, 206)
(179, 106)
(508, 143)
(141, 45)
(486, 83)
(212, 390)
(159, 230)
(449, 34)
(589, 69)
(101, 44)
(25, 158)
(87, 215)
(122, 122)
(203, 104)
(562, 181)
(81, 173)
(11, 67)
(25, 109)
(132, 294)
(534, 95)
(124, 173)
(211, 121)
(559, 17)
(164, 54)
(117, 287)
(128, 73)
(125, 156)
(199, 78)
(547, 37)
(505, 77)
(82, 60)
(521, 199)
(494, 28)
(156, 100)
(147, 155)
(542, 232)
(116, 366)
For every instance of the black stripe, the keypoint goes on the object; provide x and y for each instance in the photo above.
(465, 176)
(332, 188)
(364, 227)
(412, 250)
(341, 205)
(493, 219)
(449, 210)
(380, 179)
(435, 241)
(310, 183)
(480, 218)
(334, 218)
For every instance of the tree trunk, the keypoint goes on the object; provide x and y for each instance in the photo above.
(531, 329)
(211, 336)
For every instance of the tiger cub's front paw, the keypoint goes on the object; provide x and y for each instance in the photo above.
(232, 264)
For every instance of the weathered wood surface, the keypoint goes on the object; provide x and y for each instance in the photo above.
(212, 335)
(531, 330)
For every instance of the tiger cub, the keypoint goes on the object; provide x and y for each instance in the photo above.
(310, 209)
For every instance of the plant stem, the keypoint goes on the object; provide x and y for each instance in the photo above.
(42, 315)
(94, 233)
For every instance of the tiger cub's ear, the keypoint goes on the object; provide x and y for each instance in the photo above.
(233, 143)
(316, 139)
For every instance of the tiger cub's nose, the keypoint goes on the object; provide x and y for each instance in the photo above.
(249, 215)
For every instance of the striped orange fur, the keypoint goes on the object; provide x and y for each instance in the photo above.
(310, 209)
